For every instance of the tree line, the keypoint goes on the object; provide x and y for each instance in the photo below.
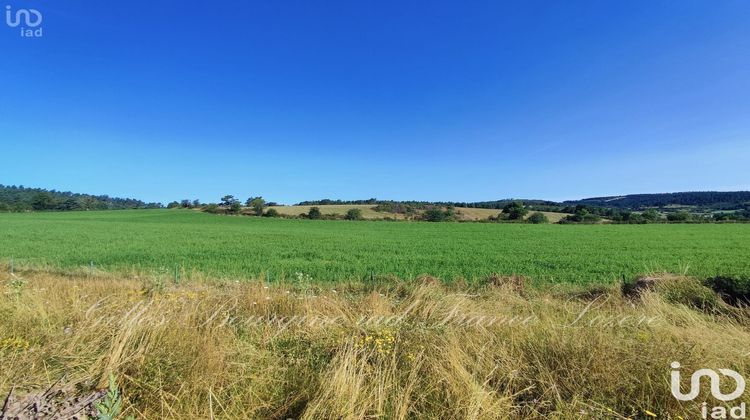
(705, 207)
(716, 200)
(701, 200)
(21, 199)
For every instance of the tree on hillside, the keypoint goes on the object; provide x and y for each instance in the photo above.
(353, 214)
(228, 201)
(20, 198)
(69, 205)
(257, 204)
(680, 216)
(91, 203)
(43, 201)
(651, 216)
(538, 218)
(515, 210)
(314, 213)
(437, 214)
(212, 208)
(582, 215)
(232, 204)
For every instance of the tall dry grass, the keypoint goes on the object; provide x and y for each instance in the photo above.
(402, 350)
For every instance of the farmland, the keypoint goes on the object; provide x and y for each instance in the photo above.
(339, 210)
(88, 303)
(368, 212)
(242, 247)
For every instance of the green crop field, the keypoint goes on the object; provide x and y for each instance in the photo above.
(244, 247)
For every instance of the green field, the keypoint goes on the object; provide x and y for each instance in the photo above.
(244, 247)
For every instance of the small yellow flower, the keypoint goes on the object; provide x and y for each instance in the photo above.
(14, 343)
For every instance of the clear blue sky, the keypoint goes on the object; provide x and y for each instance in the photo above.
(426, 100)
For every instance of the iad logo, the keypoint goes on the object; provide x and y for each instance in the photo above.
(719, 412)
(28, 19)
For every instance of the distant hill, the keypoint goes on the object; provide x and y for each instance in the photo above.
(19, 198)
(717, 200)
(706, 200)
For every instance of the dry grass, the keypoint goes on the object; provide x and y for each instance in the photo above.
(482, 214)
(340, 210)
(465, 213)
(222, 350)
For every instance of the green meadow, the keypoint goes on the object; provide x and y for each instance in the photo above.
(245, 247)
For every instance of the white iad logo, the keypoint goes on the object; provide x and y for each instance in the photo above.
(719, 412)
(28, 19)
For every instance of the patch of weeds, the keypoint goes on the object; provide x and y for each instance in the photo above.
(14, 344)
(111, 406)
(154, 286)
(689, 292)
(513, 282)
(673, 289)
(315, 354)
(591, 293)
(379, 343)
(155, 372)
(305, 283)
(16, 286)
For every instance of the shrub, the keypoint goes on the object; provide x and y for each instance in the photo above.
(314, 213)
(515, 210)
(538, 218)
(235, 208)
(651, 216)
(212, 208)
(679, 217)
(581, 215)
(353, 214)
(435, 215)
(257, 204)
(271, 213)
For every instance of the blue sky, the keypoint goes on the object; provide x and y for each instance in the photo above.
(425, 100)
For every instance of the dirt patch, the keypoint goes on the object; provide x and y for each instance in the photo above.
(733, 291)
(635, 288)
(60, 401)
(515, 282)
